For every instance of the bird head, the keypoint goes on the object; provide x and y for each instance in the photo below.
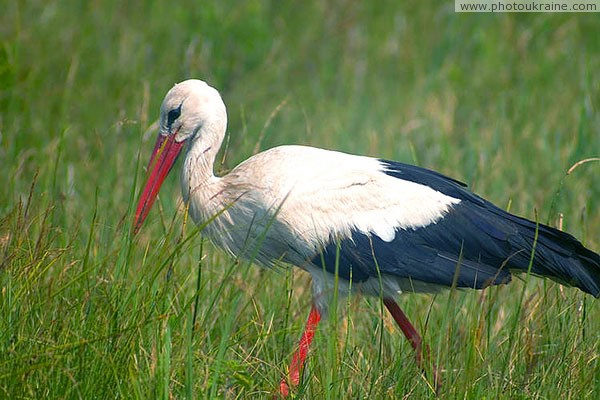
(192, 111)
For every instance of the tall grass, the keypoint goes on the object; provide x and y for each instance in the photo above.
(505, 102)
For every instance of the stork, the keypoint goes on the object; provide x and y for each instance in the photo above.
(378, 226)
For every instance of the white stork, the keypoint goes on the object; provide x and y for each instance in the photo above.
(385, 226)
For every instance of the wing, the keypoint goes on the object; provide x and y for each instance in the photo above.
(457, 250)
(460, 246)
(474, 244)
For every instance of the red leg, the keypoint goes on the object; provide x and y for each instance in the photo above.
(300, 355)
(413, 337)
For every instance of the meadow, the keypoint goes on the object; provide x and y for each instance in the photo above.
(507, 103)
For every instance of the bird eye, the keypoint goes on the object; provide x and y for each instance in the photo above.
(173, 115)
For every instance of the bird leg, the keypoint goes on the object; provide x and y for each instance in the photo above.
(300, 355)
(414, 338)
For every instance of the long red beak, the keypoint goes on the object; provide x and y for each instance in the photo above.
(163, 157)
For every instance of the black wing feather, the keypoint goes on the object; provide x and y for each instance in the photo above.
(474, 245)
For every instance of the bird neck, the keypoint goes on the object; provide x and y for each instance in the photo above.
(199, 162)
(198, 182)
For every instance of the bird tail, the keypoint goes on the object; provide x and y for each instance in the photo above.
(558, 255)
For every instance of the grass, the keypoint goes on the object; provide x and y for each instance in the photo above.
(505, 102)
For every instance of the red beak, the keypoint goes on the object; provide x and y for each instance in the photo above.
(163, 157)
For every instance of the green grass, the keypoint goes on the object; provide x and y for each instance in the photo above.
(505, 102)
